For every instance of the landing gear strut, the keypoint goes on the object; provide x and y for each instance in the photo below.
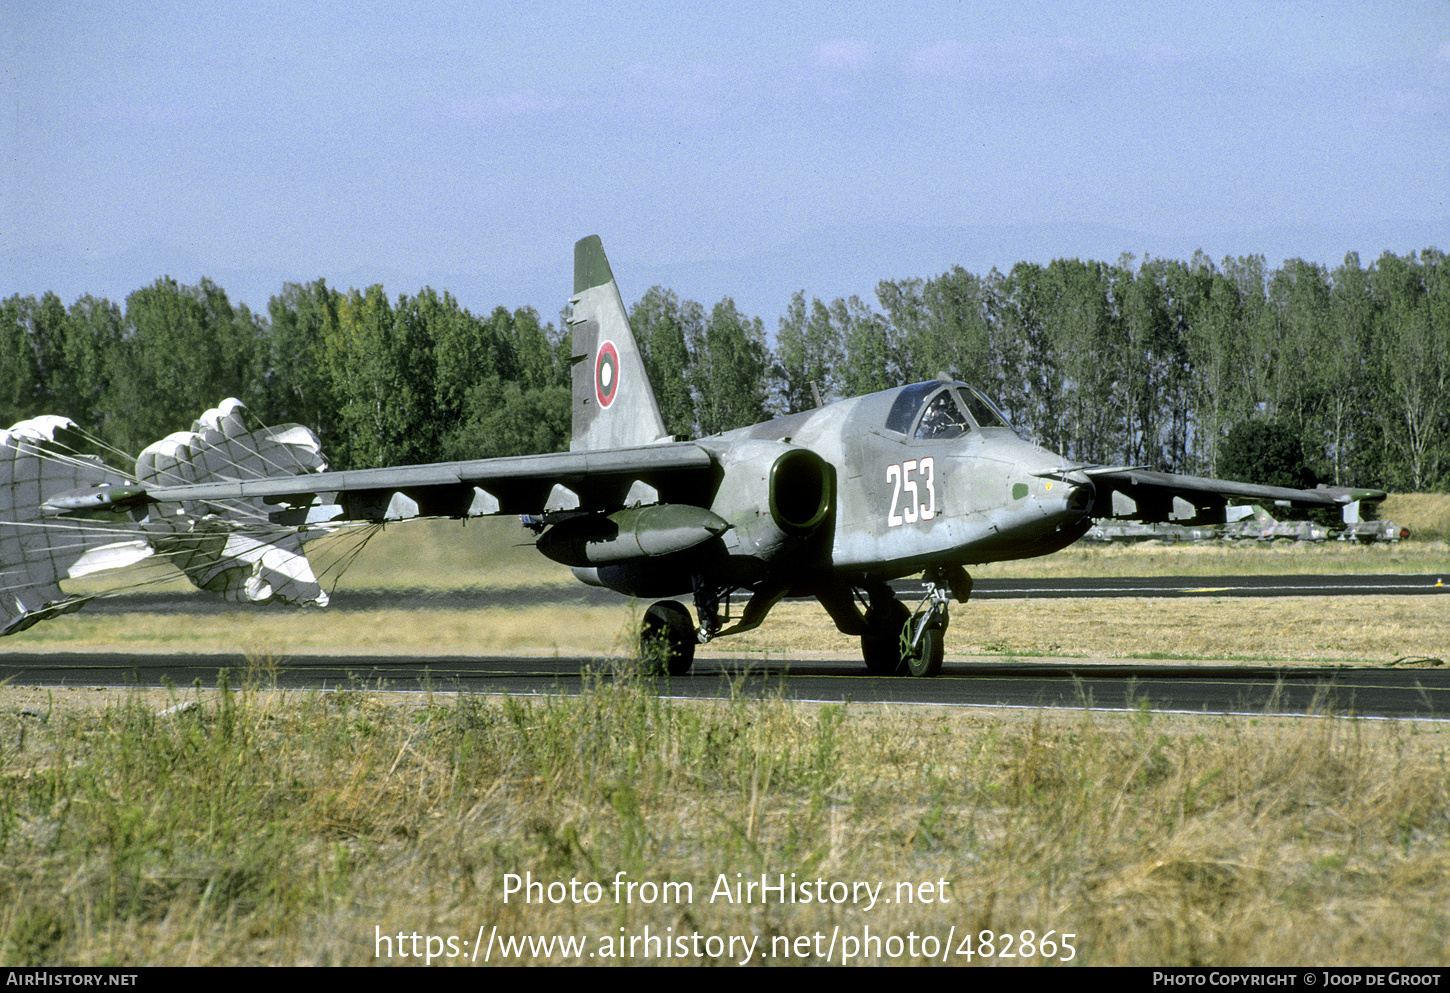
(923, 639)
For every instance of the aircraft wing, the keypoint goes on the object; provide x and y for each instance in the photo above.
(588, 480)
(1131, 492)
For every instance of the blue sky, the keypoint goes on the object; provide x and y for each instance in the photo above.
(724, 149)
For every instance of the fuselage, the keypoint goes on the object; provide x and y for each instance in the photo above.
(931, 474)
(884, 486)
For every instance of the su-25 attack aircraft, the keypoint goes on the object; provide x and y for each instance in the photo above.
(829, 503)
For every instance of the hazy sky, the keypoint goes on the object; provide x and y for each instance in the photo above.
(418, 139)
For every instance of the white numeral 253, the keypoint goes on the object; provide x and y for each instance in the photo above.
(899, 475)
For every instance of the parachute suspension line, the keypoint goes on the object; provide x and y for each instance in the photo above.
(341, 549)
(132, 586)
(231, 435)
(61, 526)
(296, 463)
(76, 461)
(294, 466)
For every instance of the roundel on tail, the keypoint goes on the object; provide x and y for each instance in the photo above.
(606, 374)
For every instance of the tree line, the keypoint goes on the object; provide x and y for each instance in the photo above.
(1152, 362)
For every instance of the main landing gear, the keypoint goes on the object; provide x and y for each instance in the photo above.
(667, 639)
(895, 640)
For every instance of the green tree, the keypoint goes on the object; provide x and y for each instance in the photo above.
(465, 350)
(504, 418)
(48, 337)
(663, 325)
(356, 353)
(1340, 368)
(535, 351)
(1267, 453)
(807, 346)
(864, 335)
(908, 346)
(1142, 359)
(187, 349)
(299, 388)
(1299, 299)
(1217, 351)
(1249, 276)
(1079, 326)
(1413, 367)
(19, 372)
(729, 362)
(1032, 382)
(959, 326)
(95, 340)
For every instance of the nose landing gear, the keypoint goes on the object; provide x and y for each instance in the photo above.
(898, 641)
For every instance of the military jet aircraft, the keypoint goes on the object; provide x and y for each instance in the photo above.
(829, 503)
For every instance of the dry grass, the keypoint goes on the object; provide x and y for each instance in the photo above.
(1155, 558)
(1309, 630)
(262, 828)
(565, 630)
(1427, 515)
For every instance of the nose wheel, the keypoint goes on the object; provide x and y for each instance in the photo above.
(923, 640)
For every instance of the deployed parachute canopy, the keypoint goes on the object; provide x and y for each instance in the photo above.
(65, 515)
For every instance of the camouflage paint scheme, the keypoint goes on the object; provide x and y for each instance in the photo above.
(827, 503)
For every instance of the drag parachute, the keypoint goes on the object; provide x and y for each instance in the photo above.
(65, 515)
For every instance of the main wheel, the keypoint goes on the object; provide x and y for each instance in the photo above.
(667, 639)
(881, 644)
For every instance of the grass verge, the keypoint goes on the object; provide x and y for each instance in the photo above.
(251, 826)
(1289, 630)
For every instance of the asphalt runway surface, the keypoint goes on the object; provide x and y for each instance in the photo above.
(1415, 692)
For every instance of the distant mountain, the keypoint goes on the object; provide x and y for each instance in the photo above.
(825, 263)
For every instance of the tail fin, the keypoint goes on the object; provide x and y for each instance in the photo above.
(614, 405)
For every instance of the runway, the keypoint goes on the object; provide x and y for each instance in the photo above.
(984, 589)
(1212, 586)
(1419, 693)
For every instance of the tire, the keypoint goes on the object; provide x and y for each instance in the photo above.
(667, 639)
(881, 644)
(926, 661)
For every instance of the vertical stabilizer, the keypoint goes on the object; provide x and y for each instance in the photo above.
(614, 404)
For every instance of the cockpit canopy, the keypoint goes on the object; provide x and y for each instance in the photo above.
(938, 411)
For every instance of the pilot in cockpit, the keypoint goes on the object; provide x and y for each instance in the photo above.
(942, 419)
